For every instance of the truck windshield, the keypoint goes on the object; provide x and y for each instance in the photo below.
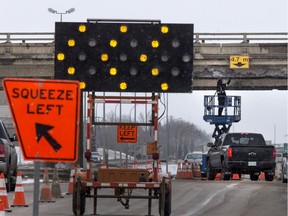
(244, 139)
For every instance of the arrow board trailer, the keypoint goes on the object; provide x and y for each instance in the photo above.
(122, 180)
(46, 116)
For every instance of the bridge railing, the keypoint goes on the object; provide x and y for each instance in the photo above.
(276, 37)
(27, 37)
(48, 37)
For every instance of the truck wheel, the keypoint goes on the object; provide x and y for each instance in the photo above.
(224, 176)
(269, 177)
(13, 180)
(8, 180)
(254, 177)
(78, 190)
(211, 174)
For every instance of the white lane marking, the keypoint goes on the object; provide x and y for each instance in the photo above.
(201, 205)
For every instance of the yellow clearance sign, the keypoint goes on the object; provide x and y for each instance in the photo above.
(239, 61)
(46, 116)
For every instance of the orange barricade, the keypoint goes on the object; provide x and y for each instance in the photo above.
(46, 195)
(19, 195)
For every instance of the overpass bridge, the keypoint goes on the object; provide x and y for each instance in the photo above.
(31, 55)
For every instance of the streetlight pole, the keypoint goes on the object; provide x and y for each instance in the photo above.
(71, 10)
(166, 150)
(176, 138)
(274, 134)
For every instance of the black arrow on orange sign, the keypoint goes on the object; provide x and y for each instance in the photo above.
(42, 131)
(123, 138)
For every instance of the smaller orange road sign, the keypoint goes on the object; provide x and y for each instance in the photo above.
(127, 133)
(46, 116)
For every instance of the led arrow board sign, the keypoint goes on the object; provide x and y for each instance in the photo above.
(125, 57)
(46, 117)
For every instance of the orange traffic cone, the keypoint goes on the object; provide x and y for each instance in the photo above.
(236, 176)
(103, 165)
(56, 189)
(190, 172)
(184, 170)
(135, 164)
(2, 211)
(19, 196)
(262, 176)
(70, 186)
(218, 176)
(3, 193)
(46, 195)
(179, 172)
(159, 167)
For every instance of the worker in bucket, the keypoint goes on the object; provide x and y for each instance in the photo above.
(221, 87)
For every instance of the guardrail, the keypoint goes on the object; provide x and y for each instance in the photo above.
(48, 37)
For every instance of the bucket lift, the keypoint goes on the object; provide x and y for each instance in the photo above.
(221, 115)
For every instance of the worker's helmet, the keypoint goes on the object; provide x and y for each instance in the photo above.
(219, 81)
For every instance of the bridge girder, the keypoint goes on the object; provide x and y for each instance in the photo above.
(267, 70)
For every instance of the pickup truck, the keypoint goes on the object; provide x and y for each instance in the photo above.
(241, 153)
(8, 157)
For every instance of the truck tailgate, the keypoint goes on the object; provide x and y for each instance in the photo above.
(252, 153)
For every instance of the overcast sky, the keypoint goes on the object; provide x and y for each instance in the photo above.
(262, 111)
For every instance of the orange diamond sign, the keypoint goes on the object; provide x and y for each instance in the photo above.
(46, 116)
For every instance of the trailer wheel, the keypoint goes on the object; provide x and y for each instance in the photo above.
(78, 190)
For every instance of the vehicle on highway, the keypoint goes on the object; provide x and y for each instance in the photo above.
(197, 157)
(8, 157)
(241, 153)
(194, 157)
(279, 157)
(284, 167)
(96, 157)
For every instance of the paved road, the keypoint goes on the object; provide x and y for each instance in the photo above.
(190, 198)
